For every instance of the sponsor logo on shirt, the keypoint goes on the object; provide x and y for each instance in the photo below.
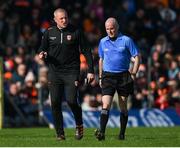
(52, 37)
(106, 49)
(121, 47)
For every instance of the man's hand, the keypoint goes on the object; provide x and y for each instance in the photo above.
(133, 76)
(43, 55)
(90, 77)
(100, 82)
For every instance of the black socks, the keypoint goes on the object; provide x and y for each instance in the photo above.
(123, 122)
(104, 119)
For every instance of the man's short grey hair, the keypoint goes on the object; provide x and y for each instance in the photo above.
(114, 21)
(59, 10)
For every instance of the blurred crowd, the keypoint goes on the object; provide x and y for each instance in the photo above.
(154, 25)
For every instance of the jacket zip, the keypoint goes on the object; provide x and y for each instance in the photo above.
(61, 37)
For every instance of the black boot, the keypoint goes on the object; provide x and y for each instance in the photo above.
(61, 136)
(99, 135)
(79, 132)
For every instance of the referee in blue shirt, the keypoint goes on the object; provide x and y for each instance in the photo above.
(116, 51)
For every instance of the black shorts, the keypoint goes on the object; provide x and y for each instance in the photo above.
(122, 82)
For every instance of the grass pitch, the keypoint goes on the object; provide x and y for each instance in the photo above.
(137, 137)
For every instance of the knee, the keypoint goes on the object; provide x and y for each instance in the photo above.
(106, 106)
(72, 103)
(56, 106)
(106, 101)
(69, 102)
(123, 99)
(55, 102)
(72, 100)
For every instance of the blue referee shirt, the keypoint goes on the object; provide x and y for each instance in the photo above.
(116, 54)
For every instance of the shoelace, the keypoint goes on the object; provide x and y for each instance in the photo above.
(79, 130)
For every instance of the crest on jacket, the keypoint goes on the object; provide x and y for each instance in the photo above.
(69, 37)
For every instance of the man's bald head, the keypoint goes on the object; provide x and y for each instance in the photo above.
(112, 27)
(59, 10)
(113, 22)
(61, 18)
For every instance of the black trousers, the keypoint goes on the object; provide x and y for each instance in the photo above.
(64, 88)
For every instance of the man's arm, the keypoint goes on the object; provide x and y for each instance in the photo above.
(136, 63)
(44, 46)
(86, 51)
(135, 56)
(88, 55)
(100, 71)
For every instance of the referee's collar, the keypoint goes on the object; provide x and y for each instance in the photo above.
(119, 35)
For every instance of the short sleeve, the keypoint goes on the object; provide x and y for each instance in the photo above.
(132, 47)
(100, 50)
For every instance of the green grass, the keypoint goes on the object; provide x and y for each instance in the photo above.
(44, 137)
